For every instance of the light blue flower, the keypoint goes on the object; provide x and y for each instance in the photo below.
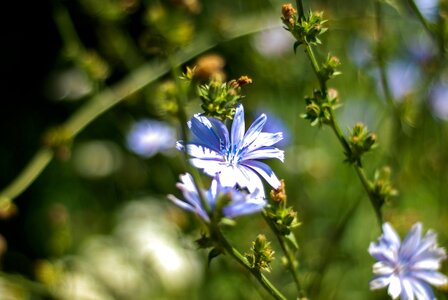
(149, 137)
(234, 158)
(410, 267)
(241, 202)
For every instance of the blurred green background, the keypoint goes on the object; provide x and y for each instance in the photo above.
(96, 223)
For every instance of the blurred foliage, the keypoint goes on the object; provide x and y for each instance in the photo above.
(96, 224)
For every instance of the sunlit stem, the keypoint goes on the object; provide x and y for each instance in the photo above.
(227, 247)
(359, 170)
(290, 256)
(109, 97)
(340, 135)
(300, 9)
(181, 103)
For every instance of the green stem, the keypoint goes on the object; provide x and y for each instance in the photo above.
(300, 9)
(310, 53)
(268, 286)
(181, 114)
(420, 17)
(339, 134)
(32, 286)
(359, 170)
(289, 255)
(40, 160)
(131, 84)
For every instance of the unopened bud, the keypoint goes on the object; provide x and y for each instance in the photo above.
(288, 11)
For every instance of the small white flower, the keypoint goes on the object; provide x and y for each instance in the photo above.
(408, 268)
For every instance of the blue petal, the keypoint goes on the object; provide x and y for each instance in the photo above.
(221, 131)
(422, 290)
(264, 170)
(244, 207)
(390, 237)
(238, 128)
(204, 133)
(411, 242)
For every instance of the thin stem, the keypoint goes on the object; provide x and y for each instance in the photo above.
(381, 60)
(268, 286)
(300, 9)
(181, 103)
(420, 17)
(289, 255)
(310, 53)
(40, 160)
(109, 97)
(359, 170)
(35, 287)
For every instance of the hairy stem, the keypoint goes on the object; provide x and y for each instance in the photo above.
(340, 135)
(290, 256)
(267, 285)
(109, 97)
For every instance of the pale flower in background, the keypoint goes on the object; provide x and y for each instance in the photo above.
(149, 137)
(408, 268)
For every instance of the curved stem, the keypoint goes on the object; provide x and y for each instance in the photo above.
(289, 255)
(268, 286)
(131, 84)
(310, 53)
(37, 164)
(359, 170)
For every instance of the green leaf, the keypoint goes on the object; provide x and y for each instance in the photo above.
(292, 242)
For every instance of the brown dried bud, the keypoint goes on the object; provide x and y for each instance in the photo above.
(288, 11)
(209, 65)
(279, 195)
(243, 80)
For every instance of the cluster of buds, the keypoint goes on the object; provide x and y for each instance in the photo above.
(283, 218)
(381, 186)
(307, 29)
(261, 254)
(360, 141)
(319, 107)
(328, 69)
(220, 99)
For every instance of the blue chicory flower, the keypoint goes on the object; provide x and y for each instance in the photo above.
(234, 158)
(149, 137)
(241, 202)
(407, 267)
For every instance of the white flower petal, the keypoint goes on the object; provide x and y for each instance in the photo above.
(202, 152)
(432, 277)
(254, 130)
(382, 268)
(407, 292)
(391, 236)
(264, 170)
(264, 153)
(379, 282)
(209, 167)
(394, 289)
(265, 139)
